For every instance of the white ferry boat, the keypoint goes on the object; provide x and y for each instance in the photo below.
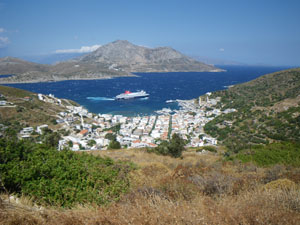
(130, 95)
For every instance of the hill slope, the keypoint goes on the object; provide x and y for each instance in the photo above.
(119, 58)
(124, 56)
(27, 72)
(26, 109)
(268, 110)
(10, 65)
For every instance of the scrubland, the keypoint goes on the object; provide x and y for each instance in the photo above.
(194, 189)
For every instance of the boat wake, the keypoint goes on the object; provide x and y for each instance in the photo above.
(143, 99)
(100, 99)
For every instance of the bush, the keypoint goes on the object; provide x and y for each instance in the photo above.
(91, 142)
(114, 145)
(276, 153)
(51, 139)
(173, 148)
(282, 184)
(207, 148)
(110, 136)
(214, 183)
(61, 178)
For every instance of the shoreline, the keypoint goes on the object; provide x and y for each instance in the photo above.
(133, 74)
(58, 80)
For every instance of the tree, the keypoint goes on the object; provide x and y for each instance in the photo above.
(110, 136)
(114, 145)
(52, 139)
(173, 148)
(176, 146)
(70, 144)
(91, 142)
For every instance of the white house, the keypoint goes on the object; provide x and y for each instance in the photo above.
(39, 129)
(27, 130)
(3, 102)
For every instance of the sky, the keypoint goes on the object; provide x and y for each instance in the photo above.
(264, 32)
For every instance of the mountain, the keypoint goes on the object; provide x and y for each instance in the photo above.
(28, 72)
(119, 58)
(10, 65)
(268, 110)
(125, 56)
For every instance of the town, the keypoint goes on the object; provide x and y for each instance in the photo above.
(88, 131)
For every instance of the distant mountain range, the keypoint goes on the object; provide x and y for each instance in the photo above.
(119, 58)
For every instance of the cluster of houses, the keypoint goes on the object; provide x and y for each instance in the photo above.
(87, 131)
(4, 103)
(49, 98)
(27, 131)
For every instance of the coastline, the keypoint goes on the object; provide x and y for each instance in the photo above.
(106, 87)
(185, 71)
(58, 80)
(10, 80)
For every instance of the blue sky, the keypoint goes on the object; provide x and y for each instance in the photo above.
(248, 31)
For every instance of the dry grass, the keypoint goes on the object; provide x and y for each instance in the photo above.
(255, 207)
(198, 189)
(144, 159)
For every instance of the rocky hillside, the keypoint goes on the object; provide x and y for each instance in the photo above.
(268, 110)
(10, 65)
(125, 56)
(27, 72)
(119, 58)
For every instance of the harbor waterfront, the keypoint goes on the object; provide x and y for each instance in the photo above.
(88, 131)
(143, 122)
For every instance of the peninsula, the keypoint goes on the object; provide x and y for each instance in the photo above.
(119, 58)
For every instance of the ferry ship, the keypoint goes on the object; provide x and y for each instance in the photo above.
(130, 95)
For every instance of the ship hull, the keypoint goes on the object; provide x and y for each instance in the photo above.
(131, 97)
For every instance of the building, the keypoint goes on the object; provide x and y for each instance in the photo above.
(83, 133)
(3, 103)
(40, 129)
(27, 130)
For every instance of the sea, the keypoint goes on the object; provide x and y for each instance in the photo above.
(98, 95)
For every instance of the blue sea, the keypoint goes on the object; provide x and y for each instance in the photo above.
(98, 95)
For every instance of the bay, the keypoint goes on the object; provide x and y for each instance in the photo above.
(98, 95)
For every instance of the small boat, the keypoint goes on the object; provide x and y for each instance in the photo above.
(170, 101)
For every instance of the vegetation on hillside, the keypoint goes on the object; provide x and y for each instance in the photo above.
(173, 148)
(194, 189)
(284, 153)
(61, 178)
(28, 110)
(267, 110)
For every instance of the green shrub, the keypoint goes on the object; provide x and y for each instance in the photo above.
(91, 142)
(114, 145)
(207, 148)
(61, 178)
(173, 148)
(110, 136)
(285, 153)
